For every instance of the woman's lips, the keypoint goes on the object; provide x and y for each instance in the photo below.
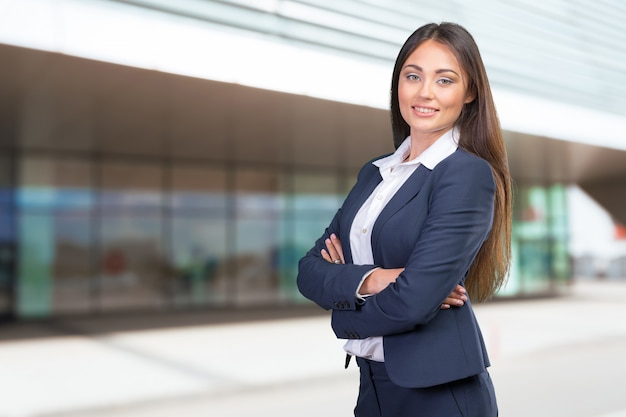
(424, 111)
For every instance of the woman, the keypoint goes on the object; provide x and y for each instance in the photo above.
(419, 222)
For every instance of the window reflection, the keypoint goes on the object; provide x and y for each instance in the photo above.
(71, 267)
(201, 272)
(258, 204)
(49, 183)
(312, 202)
(55, 258)
(125, 184)
(6, 182)
(131, 262)
(539, 241)
(258, 193)
(34, 290)
(199, 202)
(55, 199)
(195, 188)
(120, 235)
(132, 266)
(256, 255)
(7, 235)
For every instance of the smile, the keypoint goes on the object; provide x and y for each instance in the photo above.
(424, 110)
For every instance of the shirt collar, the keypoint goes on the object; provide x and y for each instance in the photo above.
(443, 147)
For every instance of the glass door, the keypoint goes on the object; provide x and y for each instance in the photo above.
(7, 237)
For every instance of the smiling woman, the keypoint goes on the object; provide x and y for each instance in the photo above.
(420, 226)
(431, 97)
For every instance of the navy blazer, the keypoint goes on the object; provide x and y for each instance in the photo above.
(433, 227)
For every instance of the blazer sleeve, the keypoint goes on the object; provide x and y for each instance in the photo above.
(329, 285)
(460, 215)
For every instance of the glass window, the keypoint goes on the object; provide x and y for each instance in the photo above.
(55, 263)
(541, 258)
(6, 181)
(200, 268)
(259, 204)
(131, 185)
(313, 201)
(559, 233)
(201, 273)
(54, 230)
(196, 188)
(258, 193)
(256, 256)
(7, 236)
(132, 266)
(48, 183)
(72, 263)
(36, 255)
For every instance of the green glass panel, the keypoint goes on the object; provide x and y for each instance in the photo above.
(36, 255)
(200, 273)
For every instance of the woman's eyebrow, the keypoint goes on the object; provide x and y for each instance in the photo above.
(417, 67)
(439, 71)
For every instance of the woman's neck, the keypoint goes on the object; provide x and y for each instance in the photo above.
(422, 141)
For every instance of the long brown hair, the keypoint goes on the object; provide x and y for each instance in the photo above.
(481, 135)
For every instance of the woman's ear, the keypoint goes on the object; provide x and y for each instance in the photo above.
(470, 96)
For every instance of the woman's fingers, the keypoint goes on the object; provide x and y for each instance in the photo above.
(460, 290)
(330, 254)
(457, 298)
(337, 245)
(333, 250)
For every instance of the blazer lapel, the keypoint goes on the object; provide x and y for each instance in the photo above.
(352, 209)
(406, 193)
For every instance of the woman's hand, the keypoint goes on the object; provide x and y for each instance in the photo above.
(457, 298)
(378, 280)
(381, 278)
(333, 252)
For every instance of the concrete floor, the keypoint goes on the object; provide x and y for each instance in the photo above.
(560, 356)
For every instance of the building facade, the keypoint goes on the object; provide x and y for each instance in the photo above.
(170, 155)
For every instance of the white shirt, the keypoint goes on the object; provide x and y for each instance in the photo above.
(394, 173)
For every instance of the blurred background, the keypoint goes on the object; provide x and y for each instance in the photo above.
(164, 164)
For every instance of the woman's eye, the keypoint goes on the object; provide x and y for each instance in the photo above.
(445, 81)
(412, 77)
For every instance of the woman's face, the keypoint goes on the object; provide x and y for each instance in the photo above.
(432, 90)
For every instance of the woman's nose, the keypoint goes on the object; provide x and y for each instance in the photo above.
(426, 90)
